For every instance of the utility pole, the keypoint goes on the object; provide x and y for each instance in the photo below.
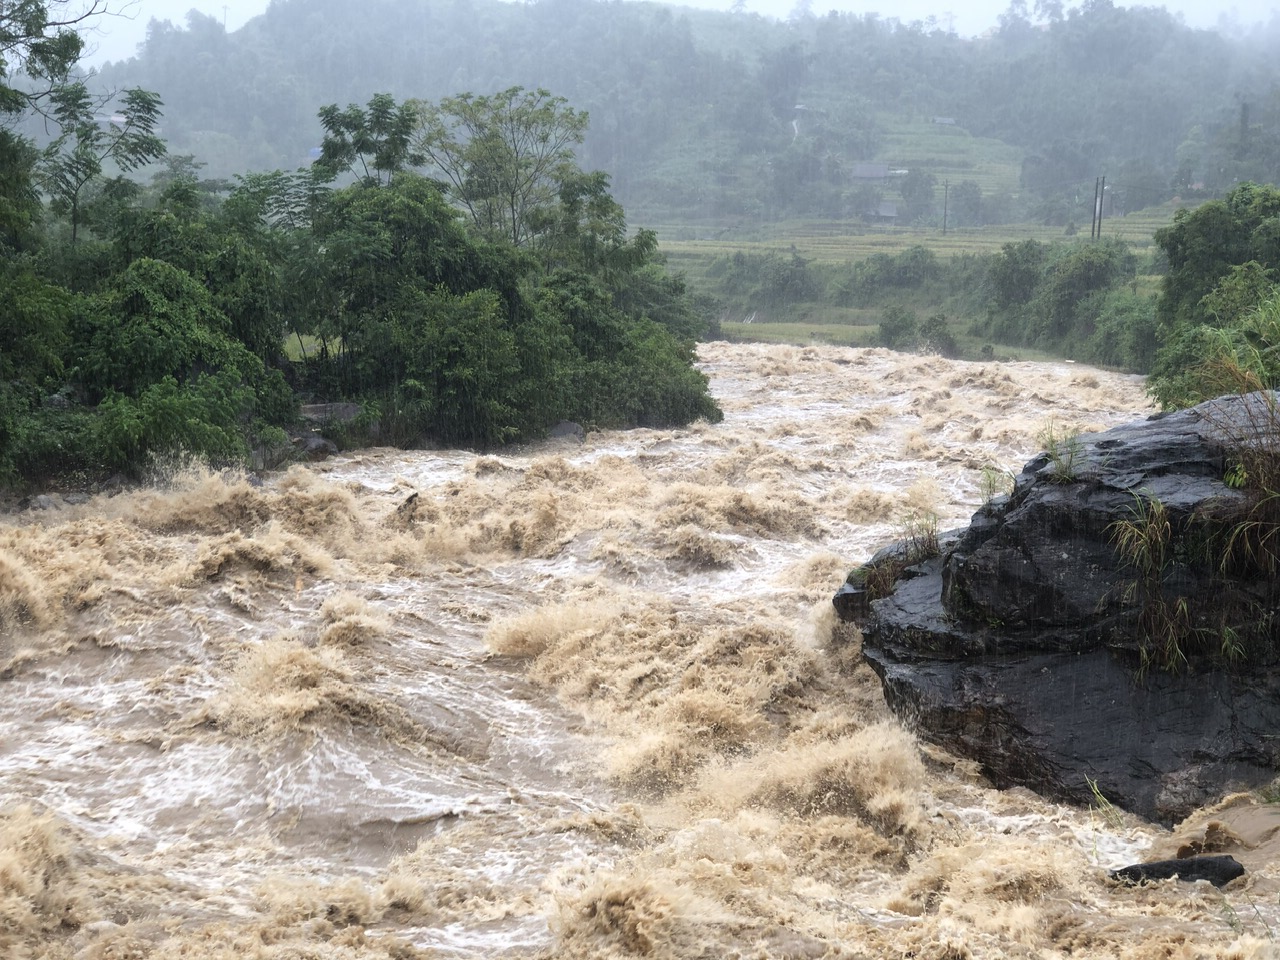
(1102, 202)
(946, 192)
(1093, 214)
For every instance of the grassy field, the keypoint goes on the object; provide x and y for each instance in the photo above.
(843, 241)
(951, 153)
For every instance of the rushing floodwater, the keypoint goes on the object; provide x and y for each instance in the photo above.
(576, 700)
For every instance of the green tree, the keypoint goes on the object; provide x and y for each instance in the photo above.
(366, 245)
(898, 327)
(1125, 332)
(34, 321)
(1239, 292)
(628, 371)
(1062, 309)
(203, 418)
(155, 321)
(373, 143)
(1238, 357)
(1223, 259)
(40, 39)
(918, 193)
(505, 158)
(462, 366)
(231, 255)
(76, 157)
(19, 198)
(1014, 273)
(1203, 245)
(936, 337)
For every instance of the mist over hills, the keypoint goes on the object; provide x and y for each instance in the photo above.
(706, 116)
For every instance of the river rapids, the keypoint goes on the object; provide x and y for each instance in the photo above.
(571, 700)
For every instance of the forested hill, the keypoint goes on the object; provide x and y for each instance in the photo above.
(702, 115)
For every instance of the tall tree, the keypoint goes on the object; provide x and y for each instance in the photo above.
(504, 157)
(85, 144)
(373, 143)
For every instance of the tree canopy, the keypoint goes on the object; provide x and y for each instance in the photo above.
(505, 158)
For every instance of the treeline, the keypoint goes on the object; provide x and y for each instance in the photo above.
(699, 115)
(1073, 299)
(192, 315)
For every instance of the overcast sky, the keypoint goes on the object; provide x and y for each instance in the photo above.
(117, 37)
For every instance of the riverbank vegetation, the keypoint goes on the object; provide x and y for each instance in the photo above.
(149, 317)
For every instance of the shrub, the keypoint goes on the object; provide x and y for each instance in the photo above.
(936, 337)
(898, 328)
(205, 419)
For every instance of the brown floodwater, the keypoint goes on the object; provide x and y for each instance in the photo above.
(579, 700)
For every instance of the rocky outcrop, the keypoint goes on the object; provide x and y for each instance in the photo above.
(1039, 646)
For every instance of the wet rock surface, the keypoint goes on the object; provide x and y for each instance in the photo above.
(314, 447)
(1024, 644)
(1219, 870)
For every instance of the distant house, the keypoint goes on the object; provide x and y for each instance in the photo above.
(945, 121)
(886, 211)
(869, 171)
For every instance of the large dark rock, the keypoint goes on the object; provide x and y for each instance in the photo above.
(1028, 643)
(1219, 870)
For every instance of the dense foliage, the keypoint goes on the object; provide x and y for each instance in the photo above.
(144, 319)
(1219, 309)
(1071, 298)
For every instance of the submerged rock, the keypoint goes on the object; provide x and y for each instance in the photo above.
(1033, 644)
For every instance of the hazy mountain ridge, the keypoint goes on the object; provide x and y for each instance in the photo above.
(693, 113)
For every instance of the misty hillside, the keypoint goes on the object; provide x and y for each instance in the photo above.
(720, 117)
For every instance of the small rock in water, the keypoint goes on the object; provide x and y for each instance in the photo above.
(1219, 870)
(568, 429)
(315, 447)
